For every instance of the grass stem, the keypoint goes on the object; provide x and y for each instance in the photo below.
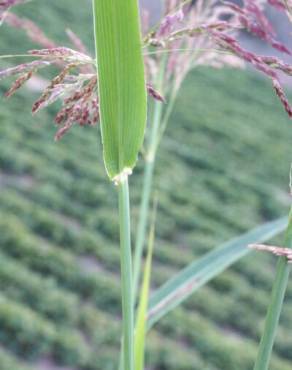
(153, 142)
(126, 276)
(275, 306)
(145, 197)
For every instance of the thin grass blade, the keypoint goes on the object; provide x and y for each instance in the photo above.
(198, 273)
(121, 82)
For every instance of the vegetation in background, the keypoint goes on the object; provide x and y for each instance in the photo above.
(56, 342)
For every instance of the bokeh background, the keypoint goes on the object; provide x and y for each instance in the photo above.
(223, 168)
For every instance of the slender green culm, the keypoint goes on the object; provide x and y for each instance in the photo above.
(126, 276)
(145, 199)
(275, 306)
(150, 157)
(141, 325)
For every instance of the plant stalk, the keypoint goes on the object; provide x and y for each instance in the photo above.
(150, 157)
(126, 276)
(275, 306)
(146, 194)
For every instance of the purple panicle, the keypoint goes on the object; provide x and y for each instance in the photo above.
(6, 5)
(282, 96)
(169, 22)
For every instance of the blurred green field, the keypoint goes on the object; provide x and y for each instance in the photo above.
(223, 168)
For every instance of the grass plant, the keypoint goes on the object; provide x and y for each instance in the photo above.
(112, 90)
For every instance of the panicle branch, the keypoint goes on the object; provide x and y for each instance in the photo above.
(77, 91)
(6, 5)
(33, 32)
(207, 34)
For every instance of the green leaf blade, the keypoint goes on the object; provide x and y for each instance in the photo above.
(201, 271)
(121, 82)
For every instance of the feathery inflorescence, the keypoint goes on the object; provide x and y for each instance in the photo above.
(186, 37)
(207, 34)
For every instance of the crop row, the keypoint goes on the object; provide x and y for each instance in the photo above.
(69, 234)
(30, 336)
(52, 261)
(49, 225)
(58, 230)
(87, 193)
(52, 226)
(40, 293)
(46, 298)
(234, 352)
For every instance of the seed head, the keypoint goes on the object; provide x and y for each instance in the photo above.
(186, 37)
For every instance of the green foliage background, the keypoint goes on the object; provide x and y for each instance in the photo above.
(223, 168)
